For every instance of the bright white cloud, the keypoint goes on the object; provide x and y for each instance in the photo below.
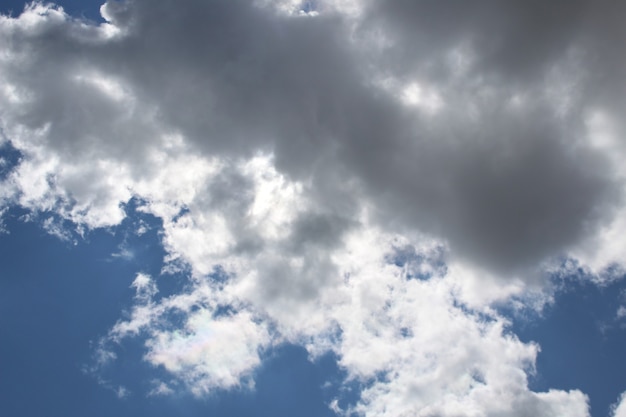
(210, 350)
(619, 408)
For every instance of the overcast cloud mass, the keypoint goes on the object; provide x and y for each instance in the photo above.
(360, 177)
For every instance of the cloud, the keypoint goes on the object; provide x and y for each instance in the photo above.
(619, 408)
(419, 351)
(366, 177)
(409, 339)
(189, 336)
(503, 171)
(160, 388)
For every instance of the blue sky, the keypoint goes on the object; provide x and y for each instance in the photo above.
(328, 208)
(75, 8)
(581, 344)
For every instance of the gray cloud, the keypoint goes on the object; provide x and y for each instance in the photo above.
(506, 186)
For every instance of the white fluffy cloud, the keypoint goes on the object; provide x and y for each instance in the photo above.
(367, 178)
(400, 328)
(207, 351)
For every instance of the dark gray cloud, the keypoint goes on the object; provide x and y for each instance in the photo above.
(506, 185)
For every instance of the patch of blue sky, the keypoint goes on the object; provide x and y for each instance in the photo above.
(582, 342)
(9, 158)
(79, 9)
(417, 265)
(308, 6)
(54, 299)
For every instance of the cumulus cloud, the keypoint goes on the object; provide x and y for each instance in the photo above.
(209, 350)
(400, 329)
(356, 176)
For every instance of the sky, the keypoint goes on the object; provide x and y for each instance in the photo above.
(314, 208)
